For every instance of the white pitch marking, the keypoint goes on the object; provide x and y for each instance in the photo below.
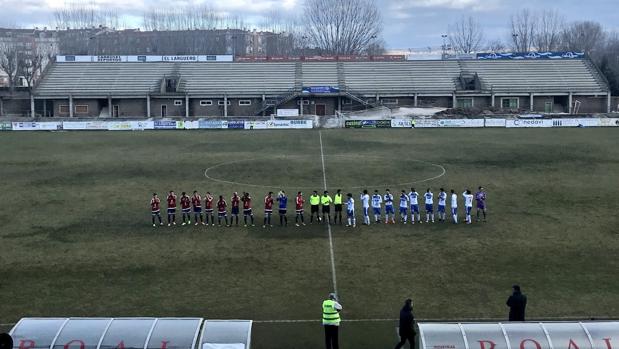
(207, 176)
(324, 179)
(488, 319)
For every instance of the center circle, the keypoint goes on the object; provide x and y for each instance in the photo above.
(305, 172)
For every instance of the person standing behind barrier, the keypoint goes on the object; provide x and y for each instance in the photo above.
(407, 325)
(517, 304)
(315, 206)
(337, 203)
(331, 321)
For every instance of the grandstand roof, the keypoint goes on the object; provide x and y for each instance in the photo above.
(277, 78)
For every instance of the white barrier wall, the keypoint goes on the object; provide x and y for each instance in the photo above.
(138, 125)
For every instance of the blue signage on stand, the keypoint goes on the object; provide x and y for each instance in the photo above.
(320, 89)
(530, 55)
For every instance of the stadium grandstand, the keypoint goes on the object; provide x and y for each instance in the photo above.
(179, 88)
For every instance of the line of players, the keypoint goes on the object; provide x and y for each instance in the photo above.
(407, 201)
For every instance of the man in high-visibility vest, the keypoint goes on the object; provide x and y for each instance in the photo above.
(337, 203)
(331, 321)
(325, 201)
(315, 205)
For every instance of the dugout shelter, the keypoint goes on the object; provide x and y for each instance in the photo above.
(131, 333)
(520, 335)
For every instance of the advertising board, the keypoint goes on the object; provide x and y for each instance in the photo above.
(367, 124)
(494, 123)
(401, 123)
(461, 123)
(287, 112)
(528, 123)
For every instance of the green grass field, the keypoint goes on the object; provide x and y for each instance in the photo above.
(76, 237)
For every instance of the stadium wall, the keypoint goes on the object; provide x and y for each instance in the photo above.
(14, 107)
(591, 104)
(132, 107)
(441, 102)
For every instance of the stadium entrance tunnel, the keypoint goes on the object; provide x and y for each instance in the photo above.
(351, 171)
(520, 335)
(131, 333)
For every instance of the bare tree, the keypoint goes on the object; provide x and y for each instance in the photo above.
(608, 61)
(85, 15)
(466, 35)
(182, 18)
(523, 30)
(548, 33)
(496, 45)
(342, 26)
(10, 61)
(31, 65)
(582, 37)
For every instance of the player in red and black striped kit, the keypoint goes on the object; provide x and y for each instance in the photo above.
(208, 209)
(222, 211)
(268, 209)
(196, 202)
(155, 211)
(247, 209)
(235, 201)
(299, 201)
(186, 208)
(171, 208)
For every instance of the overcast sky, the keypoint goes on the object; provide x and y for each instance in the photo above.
(407, 23)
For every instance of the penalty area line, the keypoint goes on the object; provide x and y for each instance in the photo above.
(324, 180)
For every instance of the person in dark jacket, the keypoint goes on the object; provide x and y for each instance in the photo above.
(517, 303)
(407, 325)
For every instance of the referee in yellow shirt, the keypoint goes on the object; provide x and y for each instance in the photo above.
(337, 202)
(315, 205)
(325, 201)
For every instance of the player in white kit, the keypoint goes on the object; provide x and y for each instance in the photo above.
(413, 200)
(403, 207)
(429, 199)
(389, 210)
(365, 203)
(454, 206)
(377, 200)
(442, 202)
(350, 211)
(468, 205)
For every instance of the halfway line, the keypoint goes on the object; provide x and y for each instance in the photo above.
(324, 179)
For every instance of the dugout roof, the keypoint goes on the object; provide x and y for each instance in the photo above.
(200, 79)
(520, 335)
(131, 333)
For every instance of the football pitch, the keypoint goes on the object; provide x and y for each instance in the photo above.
(76, 238)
